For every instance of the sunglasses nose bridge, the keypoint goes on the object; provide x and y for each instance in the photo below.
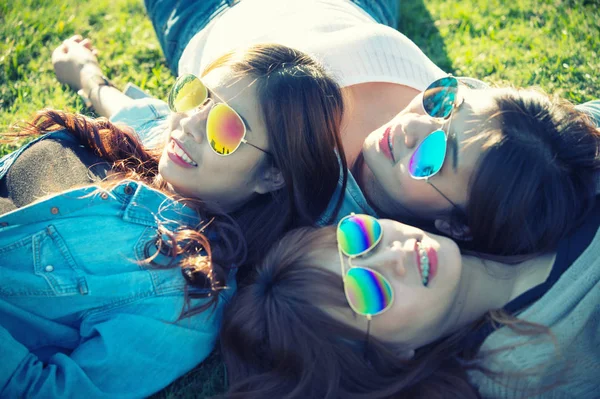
(418, 129)
(195, 121)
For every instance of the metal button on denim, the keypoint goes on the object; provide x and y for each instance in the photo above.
(104, 196)
(128, 190)
(54, 210)
(49, 268)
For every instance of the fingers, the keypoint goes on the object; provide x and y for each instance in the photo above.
(77, 39)
(87, 43)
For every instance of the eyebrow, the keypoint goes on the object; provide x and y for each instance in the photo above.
(453, 137)
(211, 92)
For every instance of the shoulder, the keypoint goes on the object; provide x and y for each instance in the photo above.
(148, 117)
(374, 53)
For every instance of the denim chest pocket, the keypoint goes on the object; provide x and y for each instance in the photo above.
(40, 265)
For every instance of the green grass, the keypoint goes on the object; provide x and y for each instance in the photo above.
(550, 44)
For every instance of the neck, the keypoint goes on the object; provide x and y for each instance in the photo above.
(487, 285)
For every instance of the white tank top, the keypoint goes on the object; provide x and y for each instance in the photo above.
(350, 44)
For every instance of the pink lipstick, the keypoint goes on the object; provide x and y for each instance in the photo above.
(385, 144)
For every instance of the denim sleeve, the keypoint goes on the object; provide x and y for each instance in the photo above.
(148, 117)
(592, 108)
(127, 354)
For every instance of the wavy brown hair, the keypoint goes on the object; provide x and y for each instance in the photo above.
(188, 247)
(278, 341)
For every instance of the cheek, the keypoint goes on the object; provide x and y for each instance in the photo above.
(404, 322)
(173, 121)
(416, 105)
(414, 192)
(234, 171)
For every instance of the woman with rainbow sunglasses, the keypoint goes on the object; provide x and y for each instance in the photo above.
(491, 134)
(116, 261)
(378, 309)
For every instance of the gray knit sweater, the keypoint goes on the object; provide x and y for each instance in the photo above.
(571, 308)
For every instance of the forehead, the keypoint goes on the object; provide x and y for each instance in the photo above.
(469, 124)
(476, 108)
(474, 117)
(329, 259)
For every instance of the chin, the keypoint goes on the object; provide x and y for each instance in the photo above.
(370, 142)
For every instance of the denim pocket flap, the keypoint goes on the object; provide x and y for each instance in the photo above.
(39, 265)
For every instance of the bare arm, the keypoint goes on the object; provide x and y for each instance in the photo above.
(75, 63)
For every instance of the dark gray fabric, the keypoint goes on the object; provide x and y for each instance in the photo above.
(49, 167)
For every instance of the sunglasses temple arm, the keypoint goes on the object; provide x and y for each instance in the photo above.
(342, 263)
(443, 195)
(368, 335)
(258, 148)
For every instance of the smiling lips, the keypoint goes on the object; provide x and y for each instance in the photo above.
(179, 156)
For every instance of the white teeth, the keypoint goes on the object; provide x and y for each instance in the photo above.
(424, 258)
(179, 151)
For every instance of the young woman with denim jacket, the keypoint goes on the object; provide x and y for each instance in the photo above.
(108, 284)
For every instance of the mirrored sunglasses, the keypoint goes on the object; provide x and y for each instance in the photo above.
(440, 99)
(368, 292)
(225, 128)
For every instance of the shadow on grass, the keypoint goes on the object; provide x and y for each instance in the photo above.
(418, 25)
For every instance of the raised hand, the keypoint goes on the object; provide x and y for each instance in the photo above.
(75, 61)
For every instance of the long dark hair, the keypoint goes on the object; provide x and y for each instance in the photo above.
(187, 247)
(302, 108)
(537, 178)
(278, 339)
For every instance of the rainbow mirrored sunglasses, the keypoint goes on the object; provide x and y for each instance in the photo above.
(225, 128)
(368, 292)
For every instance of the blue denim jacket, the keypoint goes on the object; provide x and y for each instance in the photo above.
(80, 316)
(148, 117)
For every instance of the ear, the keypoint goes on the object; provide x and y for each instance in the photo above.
(270, 179)
(457, 231)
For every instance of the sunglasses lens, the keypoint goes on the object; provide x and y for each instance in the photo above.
(225, 129)
(187, 93)
(367, 291)
(440, 96)
(429, 156)
(357, 234)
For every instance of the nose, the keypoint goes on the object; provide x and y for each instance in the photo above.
(395, 261)
(194, 121)
(417, 127)
(390, 260)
